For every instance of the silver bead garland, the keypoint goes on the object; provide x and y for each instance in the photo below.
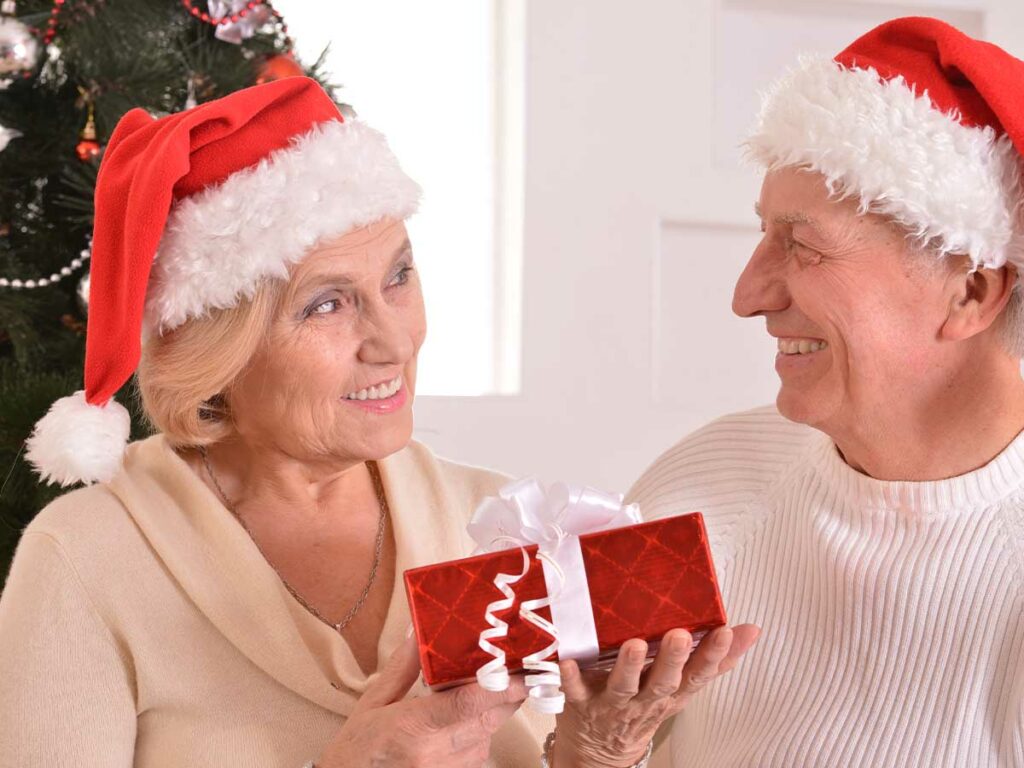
(56, 277)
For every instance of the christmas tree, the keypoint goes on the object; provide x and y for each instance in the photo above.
(69, 69)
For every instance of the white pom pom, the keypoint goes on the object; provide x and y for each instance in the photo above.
(76, 442)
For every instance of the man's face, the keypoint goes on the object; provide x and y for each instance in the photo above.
(856, 313)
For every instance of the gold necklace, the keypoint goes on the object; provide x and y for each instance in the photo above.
(382, 501)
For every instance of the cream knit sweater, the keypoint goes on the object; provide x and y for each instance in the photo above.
(140, 626)
(892, 612)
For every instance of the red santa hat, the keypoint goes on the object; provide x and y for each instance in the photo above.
(195, 210)
(918, 122)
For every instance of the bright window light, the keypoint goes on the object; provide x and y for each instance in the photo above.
(426, 75)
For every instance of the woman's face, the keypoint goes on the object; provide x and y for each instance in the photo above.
(336, 377)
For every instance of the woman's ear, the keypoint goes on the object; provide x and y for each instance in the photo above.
(977, 298)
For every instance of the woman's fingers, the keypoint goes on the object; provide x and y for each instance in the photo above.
(677, 669)
(396, 677)
(573, 685)
(469, 733)
(666, 673)
(717, 653)
(624, 680)
(743, 638)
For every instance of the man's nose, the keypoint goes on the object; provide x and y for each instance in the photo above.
(762, 285)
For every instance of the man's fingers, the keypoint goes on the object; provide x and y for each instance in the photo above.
(394, 679)
(624, 680)
(666, 673)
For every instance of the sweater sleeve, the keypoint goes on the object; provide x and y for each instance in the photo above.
(66, 698)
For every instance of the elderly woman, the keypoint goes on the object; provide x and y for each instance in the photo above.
(229, 592)
(873, 521)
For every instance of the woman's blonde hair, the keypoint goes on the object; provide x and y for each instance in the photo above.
(185, 376)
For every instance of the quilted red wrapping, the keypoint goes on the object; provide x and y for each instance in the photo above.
(644, 580)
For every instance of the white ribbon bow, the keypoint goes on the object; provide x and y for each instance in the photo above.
(237, 31)
(526, 513)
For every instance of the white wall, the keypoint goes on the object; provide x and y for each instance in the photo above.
(638, 220)
(423, 73)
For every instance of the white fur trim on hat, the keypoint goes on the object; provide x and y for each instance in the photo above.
(76, 442)
(220, 243)
(950, 185)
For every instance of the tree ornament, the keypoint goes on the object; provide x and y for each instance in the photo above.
(237, 20)
(19, 50)
(232, 26)
(278, 68)
(190, 98)
(82, 293)
(88, 148)
(6, 135)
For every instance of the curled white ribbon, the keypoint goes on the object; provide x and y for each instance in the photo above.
(545, 688)
(493, 676)
(526, 513)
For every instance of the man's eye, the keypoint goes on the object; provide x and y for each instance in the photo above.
(805, 252)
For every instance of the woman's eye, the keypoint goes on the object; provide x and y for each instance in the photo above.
(402, 277)
(325, 308)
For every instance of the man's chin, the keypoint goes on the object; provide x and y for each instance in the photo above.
(798, 407)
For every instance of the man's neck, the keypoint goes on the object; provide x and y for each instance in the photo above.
(957, 427)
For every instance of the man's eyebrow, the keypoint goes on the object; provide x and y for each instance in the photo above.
(792, 217)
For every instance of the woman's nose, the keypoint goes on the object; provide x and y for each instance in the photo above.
(761, 286)
(387, 339)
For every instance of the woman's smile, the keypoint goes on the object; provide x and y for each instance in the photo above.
(385, 397)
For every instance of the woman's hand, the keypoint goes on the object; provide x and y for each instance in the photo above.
(610, 718)
(452, 728)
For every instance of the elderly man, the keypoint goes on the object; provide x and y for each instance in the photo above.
(872, 523)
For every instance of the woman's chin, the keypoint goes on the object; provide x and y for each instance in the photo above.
(382, 439)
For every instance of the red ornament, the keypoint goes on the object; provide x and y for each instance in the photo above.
(87, 149)
(278, 68)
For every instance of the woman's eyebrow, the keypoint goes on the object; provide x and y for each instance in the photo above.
(405, 249)
(343, 278)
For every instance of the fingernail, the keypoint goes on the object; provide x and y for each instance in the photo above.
(723, 636)
(637, 653)
(682, 640)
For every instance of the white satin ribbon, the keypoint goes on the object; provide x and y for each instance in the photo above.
(524, 513)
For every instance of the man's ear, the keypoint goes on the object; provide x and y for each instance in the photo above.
(977, 298)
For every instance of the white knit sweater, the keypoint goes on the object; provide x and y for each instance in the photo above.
(892, 613)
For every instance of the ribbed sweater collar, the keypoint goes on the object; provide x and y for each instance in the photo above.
(984, 487)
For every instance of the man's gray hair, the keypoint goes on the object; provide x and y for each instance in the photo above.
(1013, 323)
(1012, 318)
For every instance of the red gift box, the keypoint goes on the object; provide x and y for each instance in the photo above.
(643, 580)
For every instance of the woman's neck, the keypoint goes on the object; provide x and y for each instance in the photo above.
(258, 477)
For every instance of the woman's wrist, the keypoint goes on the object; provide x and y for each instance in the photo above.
(563, 753)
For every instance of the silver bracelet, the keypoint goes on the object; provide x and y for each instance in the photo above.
(549, 743)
